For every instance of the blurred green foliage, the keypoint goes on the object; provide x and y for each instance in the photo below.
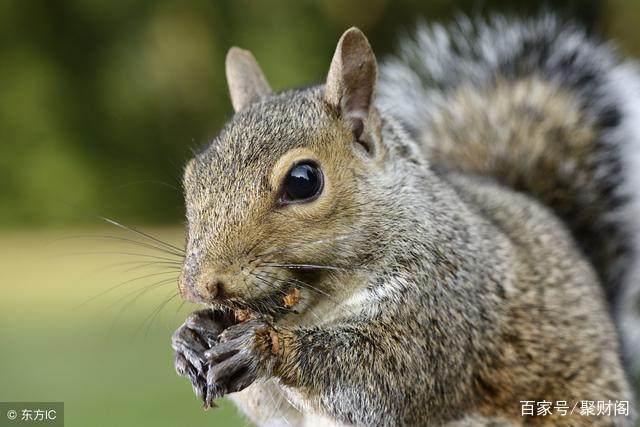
(101, 102)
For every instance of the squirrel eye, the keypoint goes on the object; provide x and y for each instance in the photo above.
(303, 183)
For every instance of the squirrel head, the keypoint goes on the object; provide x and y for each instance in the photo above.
(280, 195)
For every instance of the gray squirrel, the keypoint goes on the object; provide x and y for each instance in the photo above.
(433, 245)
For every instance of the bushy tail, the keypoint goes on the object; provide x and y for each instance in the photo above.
(540, 107)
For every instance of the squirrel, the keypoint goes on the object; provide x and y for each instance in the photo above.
(432, 242)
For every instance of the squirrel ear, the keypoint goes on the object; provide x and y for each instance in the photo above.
(245, 78)
(351, 82)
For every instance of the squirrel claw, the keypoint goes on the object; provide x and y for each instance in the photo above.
(237, 360)
(196, 335)
(208, 404)
(219, 359)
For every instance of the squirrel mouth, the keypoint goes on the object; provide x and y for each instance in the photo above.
(274, 305)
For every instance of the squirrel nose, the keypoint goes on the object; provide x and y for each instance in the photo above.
(203, 285)
(215, 288)
(199, 290)
(211, 288)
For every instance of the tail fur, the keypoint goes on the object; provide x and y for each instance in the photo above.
(543, 108)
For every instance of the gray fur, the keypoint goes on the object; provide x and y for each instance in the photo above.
(416, 86)
(451, 296)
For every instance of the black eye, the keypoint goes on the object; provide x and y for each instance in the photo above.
(303, 183)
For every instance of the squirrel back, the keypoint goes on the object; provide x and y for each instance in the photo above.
(544, 109)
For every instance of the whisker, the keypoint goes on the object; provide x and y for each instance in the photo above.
(149, 181)
(301, 284)
(161, 264)
(312, 288)
(289, 401)
(140, 233)
(123, 239)
(122, 284)
(288, 248)
(266, 282)
(138, 265)
(142, 264)
(184, 301)
(139, 293)
(256, 243)
(277, 407)
(116, 253)
(154, 314)
(250, 293)
(303, 266)
(268, 293)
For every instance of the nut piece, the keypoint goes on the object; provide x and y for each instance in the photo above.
(242, 315)
(292, 298)
(275, 342)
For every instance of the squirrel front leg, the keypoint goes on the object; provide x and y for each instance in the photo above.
(363, 373)
(353, 373)
(337, 371)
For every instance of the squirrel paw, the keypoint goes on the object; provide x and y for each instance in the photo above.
(196, 335)
(242, 355)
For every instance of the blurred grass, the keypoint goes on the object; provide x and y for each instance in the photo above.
(109, 371)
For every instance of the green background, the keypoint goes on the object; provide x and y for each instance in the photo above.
(101, 103)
